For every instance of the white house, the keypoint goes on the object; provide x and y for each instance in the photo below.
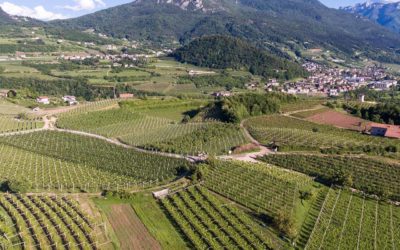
(43, 100)
(71, 100)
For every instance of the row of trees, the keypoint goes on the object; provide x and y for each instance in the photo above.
(386, 112)
(238, 107)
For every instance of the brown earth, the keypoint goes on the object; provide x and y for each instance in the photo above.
(130, 231)
(338, 119)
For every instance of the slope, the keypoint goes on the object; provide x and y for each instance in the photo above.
(271, 24)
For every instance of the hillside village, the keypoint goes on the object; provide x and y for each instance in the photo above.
(326, 81)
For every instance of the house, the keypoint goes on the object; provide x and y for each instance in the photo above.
(4, 93)
(20, 55)
(390, 131)
(43, 100)
(222, 94)
(126, 95)
(71, 100)
(161, 194)
(333, 92)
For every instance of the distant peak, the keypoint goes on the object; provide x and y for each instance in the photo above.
(192, 5)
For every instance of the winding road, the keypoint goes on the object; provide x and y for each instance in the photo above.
(50, 125)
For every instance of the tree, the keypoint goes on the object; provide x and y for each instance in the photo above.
(15, 186)
(186, 119)
(285, 224)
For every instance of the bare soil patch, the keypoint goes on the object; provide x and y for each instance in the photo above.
(338, 119)
(130, 231)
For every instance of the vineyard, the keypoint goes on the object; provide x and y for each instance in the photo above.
(211, 138)
(259, 187)
(147, 127)
(45, 222)
(295, 134)
(90, 107)
(347, 221)
(54, 159)
(11, 124)
(209, 224)
(370, 175)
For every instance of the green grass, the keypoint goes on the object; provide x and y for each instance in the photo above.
(8, 108)
(310, 113)
(151, 215)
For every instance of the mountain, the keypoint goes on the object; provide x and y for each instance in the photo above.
(222, 52)
(272, 24)
(6, 18)
(385, 13)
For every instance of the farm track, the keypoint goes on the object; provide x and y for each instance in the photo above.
(50, 124)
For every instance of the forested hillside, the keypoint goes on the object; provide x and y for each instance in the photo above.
(270, 24)
(224, 52)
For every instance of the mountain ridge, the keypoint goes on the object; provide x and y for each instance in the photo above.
(385, 13)
(272, 23)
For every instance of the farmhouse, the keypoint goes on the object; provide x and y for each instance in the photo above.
(4, 93)
(161, 194)
(222, 94)
(385, 130)
(126, 95)
(71, 100)
(43, 100)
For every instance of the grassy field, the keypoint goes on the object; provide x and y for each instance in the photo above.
(151, 215)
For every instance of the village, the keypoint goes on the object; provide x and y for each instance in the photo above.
(326, 81)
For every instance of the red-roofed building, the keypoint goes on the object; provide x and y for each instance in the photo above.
(391, 131)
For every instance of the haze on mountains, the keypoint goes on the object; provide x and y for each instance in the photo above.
(385, 13)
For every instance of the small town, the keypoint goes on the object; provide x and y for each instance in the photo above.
(332, 82)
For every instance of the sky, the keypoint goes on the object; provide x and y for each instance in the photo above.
(61, 9)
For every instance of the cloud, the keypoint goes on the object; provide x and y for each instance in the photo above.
(38, 12)
(85, 5)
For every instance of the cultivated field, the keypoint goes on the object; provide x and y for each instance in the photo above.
(292, 134)
(347, 221)
(156, 125)
(131, 232)
(52, 151)
(367, 174)
(338, 119)
(262, 188)
(44, 222)
(208, 223)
